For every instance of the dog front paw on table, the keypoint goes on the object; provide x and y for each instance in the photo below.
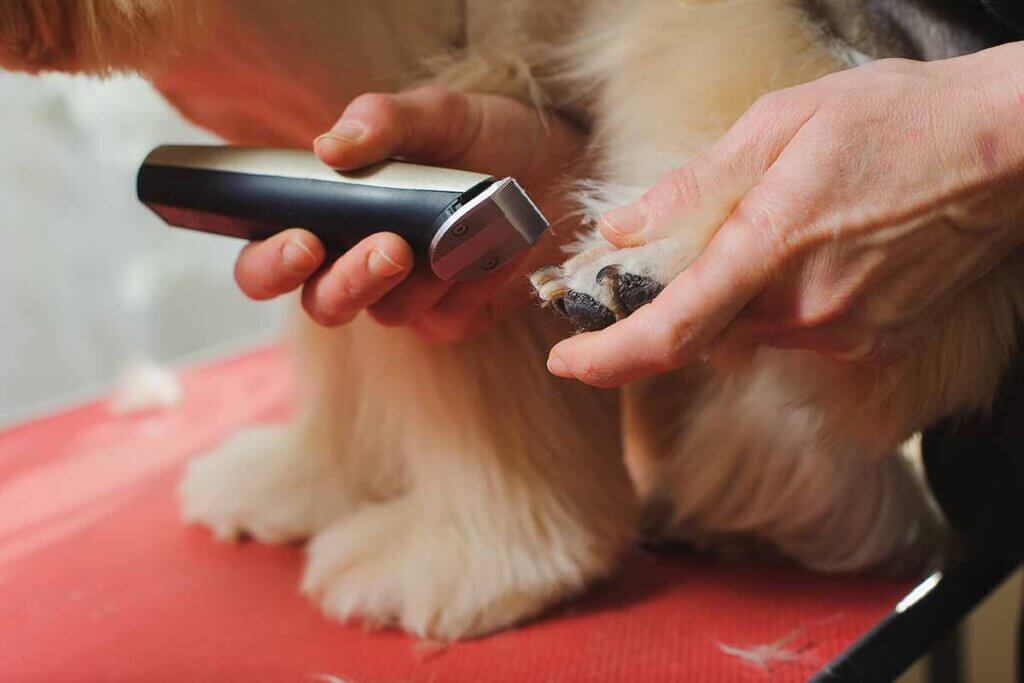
(101, 580)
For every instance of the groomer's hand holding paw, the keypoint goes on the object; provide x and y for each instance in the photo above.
(429, 125)
(855, 207)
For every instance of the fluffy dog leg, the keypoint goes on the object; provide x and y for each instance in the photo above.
(517, 495)
(283, 483)
(270, 483)
(760, 451)
(744, 458)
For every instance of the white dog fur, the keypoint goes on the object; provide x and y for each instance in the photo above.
(457, 490)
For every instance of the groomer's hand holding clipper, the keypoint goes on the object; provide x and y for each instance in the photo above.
(430, 125)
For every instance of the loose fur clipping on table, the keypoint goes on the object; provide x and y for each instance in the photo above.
(144, 386)
(764, 656)
(329, 678)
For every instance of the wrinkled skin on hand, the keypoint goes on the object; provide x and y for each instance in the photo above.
(853, 207)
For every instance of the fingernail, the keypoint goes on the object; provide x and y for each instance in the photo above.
(380, 265)
(349, 131)
(625, 221)
(328, 145)
(557, 366)
(341, 136)
(298, 256)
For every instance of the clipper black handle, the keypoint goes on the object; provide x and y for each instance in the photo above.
(465, 224)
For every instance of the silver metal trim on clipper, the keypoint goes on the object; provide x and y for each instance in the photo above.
(486, 233)
(301, 165)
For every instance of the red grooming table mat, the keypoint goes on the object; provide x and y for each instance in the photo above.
(100, 582)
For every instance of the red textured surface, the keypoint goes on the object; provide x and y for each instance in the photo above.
(100, 582)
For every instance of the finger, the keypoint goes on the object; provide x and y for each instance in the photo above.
(279, 264)
(680, 322)
(429, 124)
(709, 185)
(703, 192)
(733, 269)
(419, 293)
(358, 279)
(434, 125)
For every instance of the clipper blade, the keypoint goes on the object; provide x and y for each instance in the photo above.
(520, 211)
(487, 232)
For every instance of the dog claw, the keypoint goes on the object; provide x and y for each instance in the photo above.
(551, 288)
(558, 303)
(607, 273)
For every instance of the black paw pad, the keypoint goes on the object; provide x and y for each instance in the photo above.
(633, 291)
(585, 312)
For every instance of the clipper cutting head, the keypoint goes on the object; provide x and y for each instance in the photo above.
(486, 232)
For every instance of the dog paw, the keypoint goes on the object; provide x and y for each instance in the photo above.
(601, 284)
(390, 564)
(261, 485)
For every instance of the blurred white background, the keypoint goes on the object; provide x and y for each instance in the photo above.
(89, 279)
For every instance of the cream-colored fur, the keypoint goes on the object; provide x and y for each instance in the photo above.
(452, 490)
(789, 446)
(457, 490)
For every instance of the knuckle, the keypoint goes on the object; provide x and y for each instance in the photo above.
(787, 104)
(437, 95)
(372, 99)
(893, 65)
(759, 224)
(380, 104)
(328, 313)
(836, 118)
(458, 126)
(336, 306)
(352, 292)
(832, 118)
(758, 220)
(460, 114)
(825, 309)
(672, 343)
(679, 186)
(772, 104)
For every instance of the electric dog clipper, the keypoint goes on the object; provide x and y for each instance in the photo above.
(465, 224)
